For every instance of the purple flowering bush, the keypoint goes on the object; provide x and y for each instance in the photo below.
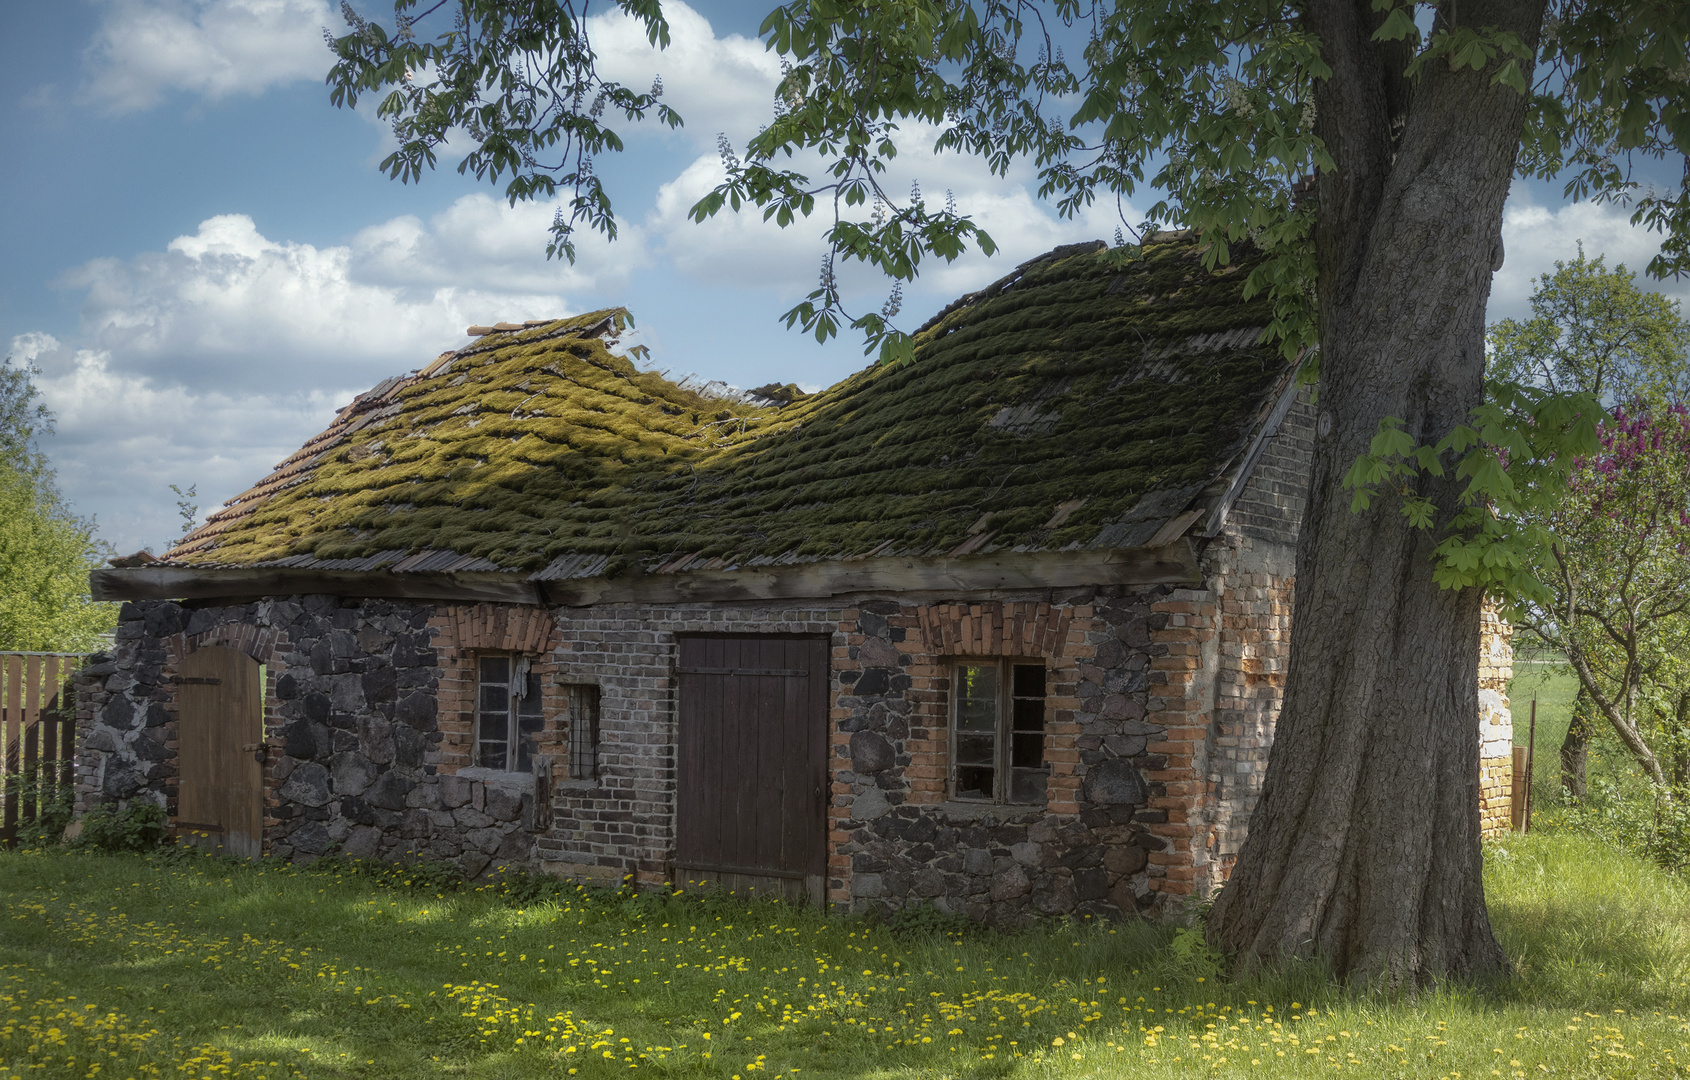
(1617, 577)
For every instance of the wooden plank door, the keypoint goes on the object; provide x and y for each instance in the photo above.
(751, 768)
(219, 738)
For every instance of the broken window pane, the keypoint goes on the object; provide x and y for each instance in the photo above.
(1027, 785)
(973, 782)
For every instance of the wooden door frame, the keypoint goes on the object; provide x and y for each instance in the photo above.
(226, 746)
(811, 883)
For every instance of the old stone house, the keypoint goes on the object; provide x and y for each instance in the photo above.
(1004, 628)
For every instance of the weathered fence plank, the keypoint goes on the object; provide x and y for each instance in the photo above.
(37, 736)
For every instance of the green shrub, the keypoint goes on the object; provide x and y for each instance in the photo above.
(925, 919)
(1624, 812)
(139, 826)
(47, 806)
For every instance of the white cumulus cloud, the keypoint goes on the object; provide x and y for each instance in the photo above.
(122, 439)
(145, 49)
(209, 361)
(743, 249)
(1534, 236)
(726, 85)
(717, 84)
(228, 304)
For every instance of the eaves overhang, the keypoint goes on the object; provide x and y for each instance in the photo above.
(1172, 563)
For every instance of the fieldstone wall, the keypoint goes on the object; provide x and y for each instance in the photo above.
(351, 723)
(369, 707)
(898, 838)
(1100, 845)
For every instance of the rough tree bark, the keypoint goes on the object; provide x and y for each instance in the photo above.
(1363, 853)
(1575, 748)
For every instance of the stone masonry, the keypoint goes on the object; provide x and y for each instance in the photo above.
(352, 723)
(1159, 712)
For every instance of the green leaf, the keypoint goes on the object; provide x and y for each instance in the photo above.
(1397, 25)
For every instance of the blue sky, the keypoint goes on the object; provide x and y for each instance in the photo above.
(203, 258)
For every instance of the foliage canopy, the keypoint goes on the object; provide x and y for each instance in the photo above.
(46, 551)
(1209, 106)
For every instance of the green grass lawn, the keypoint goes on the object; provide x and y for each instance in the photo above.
(129, 966)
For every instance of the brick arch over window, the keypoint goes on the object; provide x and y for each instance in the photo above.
(464, 632)
(995, 628)
(498, 627)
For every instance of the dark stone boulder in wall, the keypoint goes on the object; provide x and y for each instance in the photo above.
(307, 785)
(120, 780)
(870, 752)
(1112, 783)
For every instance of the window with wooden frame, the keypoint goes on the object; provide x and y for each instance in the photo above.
(998, 731)
(508, 716)
(583, 731)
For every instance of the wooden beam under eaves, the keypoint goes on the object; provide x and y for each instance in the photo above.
(1170, 564)
(1006, 571)
(214, 583)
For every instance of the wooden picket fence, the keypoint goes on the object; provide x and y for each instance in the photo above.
(38, 734)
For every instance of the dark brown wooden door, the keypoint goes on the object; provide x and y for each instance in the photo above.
(219, 740)
(751, 775)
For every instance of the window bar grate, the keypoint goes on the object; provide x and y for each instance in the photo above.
(583, 732)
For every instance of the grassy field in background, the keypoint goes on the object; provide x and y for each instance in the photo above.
(129, 966)
(1552, 682)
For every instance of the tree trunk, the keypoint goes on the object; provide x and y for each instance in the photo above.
(1363, 854)
(1679, 743)
(1575, 749)
(1619, 714)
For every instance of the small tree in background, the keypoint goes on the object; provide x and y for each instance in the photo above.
(46, 550)
(1594, 331)
(1615, 575)
(1619, 582)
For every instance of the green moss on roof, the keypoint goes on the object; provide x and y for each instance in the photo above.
(1076, 381)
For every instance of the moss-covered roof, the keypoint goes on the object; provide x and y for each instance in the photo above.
(1038, 414)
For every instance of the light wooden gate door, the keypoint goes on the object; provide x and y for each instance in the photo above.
(751, 774)
(220, 751)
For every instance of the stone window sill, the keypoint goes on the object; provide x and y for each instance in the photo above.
(499, 778)
(967, 809)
